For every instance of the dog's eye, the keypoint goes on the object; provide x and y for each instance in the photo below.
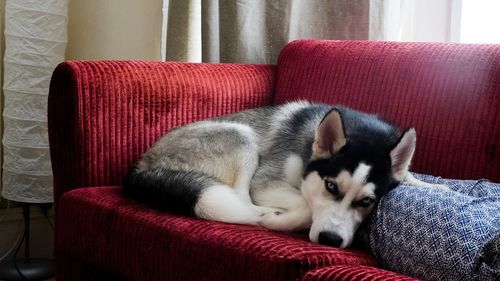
(331, 187)
(365, 202)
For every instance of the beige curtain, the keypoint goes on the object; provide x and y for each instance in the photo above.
(114, 29)
(254, 31)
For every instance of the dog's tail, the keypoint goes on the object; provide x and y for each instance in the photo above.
(189, 193)
(174, 190)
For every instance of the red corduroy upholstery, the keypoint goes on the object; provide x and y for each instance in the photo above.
(449, 92)
(143, 244)
(354, 273)
(103, 115)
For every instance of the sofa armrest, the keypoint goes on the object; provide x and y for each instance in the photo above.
(102, 115)
(353, 273)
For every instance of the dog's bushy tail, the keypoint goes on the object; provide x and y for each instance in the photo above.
(161, 188)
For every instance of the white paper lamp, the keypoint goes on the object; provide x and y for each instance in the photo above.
(35, 42)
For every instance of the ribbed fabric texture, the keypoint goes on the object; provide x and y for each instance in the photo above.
(104, 114)
(354, 273)
(449, 92)
(101, 226)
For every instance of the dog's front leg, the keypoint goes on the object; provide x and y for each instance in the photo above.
(289, 220)
(295, 215)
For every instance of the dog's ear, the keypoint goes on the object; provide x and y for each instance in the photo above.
(402, 154)
(330, 136)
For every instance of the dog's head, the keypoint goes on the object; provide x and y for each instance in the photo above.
(348, 174)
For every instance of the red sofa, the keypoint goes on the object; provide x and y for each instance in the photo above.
(104, 114)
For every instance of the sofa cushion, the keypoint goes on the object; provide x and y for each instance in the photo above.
(449, 92)
(439, 235)
(108, 230)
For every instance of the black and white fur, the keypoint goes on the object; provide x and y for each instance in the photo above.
(289, 167)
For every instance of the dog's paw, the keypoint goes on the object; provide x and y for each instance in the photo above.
(286, 220)
(266, 211)
(271, 220)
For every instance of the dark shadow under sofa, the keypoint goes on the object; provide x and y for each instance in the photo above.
(104, 114)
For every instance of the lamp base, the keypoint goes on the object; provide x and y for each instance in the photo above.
(32, 269)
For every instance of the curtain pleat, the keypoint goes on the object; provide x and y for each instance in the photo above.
(254, 31)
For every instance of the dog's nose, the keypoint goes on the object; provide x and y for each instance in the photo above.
(330, 238)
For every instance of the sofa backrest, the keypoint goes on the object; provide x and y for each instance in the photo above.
(449, 92)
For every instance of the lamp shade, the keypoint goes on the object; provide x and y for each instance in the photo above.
(35, 42)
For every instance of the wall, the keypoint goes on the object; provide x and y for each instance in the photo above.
(114, 29)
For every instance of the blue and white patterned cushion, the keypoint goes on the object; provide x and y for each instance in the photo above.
(438, 235)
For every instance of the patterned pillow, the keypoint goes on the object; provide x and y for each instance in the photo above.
(438, 235)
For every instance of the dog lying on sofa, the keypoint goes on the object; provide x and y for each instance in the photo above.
(290, 167)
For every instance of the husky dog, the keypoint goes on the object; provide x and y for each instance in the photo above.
(288, 167)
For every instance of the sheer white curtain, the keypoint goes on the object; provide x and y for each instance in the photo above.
(254, 31)
(415, 20)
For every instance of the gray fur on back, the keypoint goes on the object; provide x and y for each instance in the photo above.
(215, 146)
(281, 131)
(210, 147)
